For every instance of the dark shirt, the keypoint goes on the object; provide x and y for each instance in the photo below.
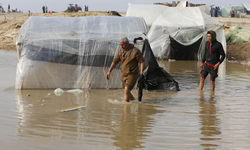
(214, 54)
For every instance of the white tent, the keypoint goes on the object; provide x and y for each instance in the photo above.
(204, 8)
(148, 12)
(185, 25)
(61, 52)
(247, 6)
(225, 10)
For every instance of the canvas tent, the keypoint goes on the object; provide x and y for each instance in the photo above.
(225, 10)
(152, 12)
(247, 7)
(184, 29)
(63, 52)
(204, 8)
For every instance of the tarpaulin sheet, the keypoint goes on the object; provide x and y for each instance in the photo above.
(71, 52)
(246, 5)
(186, 25)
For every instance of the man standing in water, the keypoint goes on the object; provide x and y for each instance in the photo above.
(129, 56)
(212, 58)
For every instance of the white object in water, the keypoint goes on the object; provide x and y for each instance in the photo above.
(71, 109)
(171, 60)
(59, 92)
(75, 91)
(31, 105)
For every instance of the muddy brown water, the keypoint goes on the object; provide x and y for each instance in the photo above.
(188, 119)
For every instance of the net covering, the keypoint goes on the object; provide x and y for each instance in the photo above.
(61, 52)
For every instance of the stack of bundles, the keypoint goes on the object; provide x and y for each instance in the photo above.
(237, 34)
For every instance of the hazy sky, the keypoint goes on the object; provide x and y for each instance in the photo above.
(98, 5)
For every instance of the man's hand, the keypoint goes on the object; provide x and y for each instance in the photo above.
(142, 73)
(107, 75)
(216, 66)
(110, 69)
(142, 66)
(201, 65)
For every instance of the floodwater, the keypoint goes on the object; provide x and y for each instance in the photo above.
(188, 119)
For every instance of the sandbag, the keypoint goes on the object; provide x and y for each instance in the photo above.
(237, 34)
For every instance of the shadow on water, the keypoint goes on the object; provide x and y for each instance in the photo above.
(99, 121)
(210, 122)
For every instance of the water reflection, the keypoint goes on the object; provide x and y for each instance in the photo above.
(186, 72)
(39, 118)
(208, 119)
(187, 67)
(135, 125)
(160, 122)
(101, 121)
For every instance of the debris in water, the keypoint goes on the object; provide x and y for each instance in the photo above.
(75, 91)
(72, 109)
(31, 105)
(59, 92)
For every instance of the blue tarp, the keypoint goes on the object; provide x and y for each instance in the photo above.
(247, 6)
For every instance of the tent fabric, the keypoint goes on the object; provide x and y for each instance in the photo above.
(180, 52)
(186, 25)
(247, 6)
(71, 52)
(151, 12)
(204, 8)
(156, 78)
(148, 12)
(225, 10)
(63, 52)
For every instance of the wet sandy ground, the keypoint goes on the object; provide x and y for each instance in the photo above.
(188, 119)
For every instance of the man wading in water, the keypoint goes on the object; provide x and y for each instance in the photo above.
(211, 59)
(129, 56)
